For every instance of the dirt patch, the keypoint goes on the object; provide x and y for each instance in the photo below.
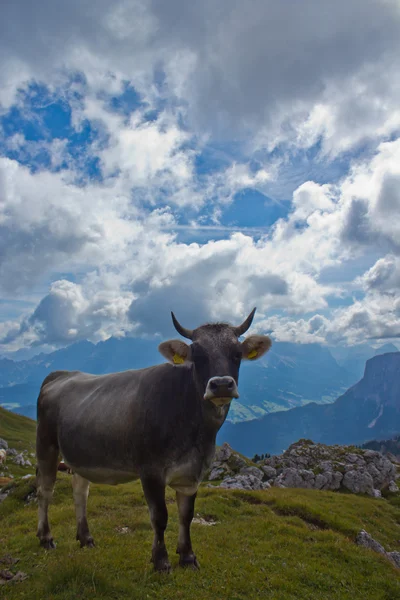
(313, 523)
(207, 520)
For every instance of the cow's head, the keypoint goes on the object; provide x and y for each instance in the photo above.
(216, 354)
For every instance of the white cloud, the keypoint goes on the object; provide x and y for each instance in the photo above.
(264, 77)
(290, 72)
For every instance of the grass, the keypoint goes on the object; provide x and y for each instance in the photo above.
(280, 544)
(19, 431)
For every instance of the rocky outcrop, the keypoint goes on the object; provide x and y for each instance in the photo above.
(364, 539)
(308, 465)
(22, 461)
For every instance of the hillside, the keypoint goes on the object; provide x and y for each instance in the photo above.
(391, 446)
(18, 431)
(289, 375)
(282, 544)
(368, 410)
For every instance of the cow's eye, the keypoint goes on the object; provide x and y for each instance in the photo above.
(237, 357)
(200, 357)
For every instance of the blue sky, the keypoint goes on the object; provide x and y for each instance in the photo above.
(206, 164)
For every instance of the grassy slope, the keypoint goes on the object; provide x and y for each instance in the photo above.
(20, 432)
(280, 544)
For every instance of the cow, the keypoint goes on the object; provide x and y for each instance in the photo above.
(157, 424)
(3, 456)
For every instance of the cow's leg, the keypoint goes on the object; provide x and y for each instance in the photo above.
(154, 491)
(46, 473)
(80, 487)
(187, 557)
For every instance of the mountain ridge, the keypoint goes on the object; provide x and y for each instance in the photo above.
(370, 408)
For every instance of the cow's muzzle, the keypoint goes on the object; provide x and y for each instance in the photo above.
(221, 390)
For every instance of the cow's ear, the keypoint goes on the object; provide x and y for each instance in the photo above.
(255, 346)
(176, 351)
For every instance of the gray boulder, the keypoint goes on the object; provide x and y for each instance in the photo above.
(217, 473)
(3, 444)
(329, 480)
(359, 482)
(269, 472)
(223, 453)
(252, 471)
(295, 478)
(244, 482)
(364, 539)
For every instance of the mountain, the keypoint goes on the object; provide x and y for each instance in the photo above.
(289, 375)
(353, 358)
(391, 446)
(370, 409)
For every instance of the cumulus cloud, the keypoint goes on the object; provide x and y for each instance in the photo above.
(384, 276)
(260, 84)
(232, 67)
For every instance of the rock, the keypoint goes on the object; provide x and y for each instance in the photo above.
(3, 444)
(392, 458)
(329, 480)
(5, 575)
(371, 454)
(20, 576)
(308, 465)
(358, 482)
(19, 460)
(27, 476)
(223, 453)
(217, 473)
(269, 472)
(209, 522)
(28, 463)
(244, 482)
(252, 471)
(395, 558)
(355, 459)
(393, 487)
(236, 462)
(296, 478)
(8, 560)
(12, 452)
(364, 539)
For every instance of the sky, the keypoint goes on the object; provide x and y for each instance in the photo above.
(203, 158)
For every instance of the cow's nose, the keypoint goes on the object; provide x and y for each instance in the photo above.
(221, 387)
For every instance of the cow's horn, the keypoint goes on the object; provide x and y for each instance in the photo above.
(187, 333)
(245, 325)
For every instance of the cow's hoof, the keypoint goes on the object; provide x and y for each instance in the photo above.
(162, 566)
(161, 562)
(189, 562)
(48, 543)
(87, 542)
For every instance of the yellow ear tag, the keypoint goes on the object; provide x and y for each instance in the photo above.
(252, 354)
(178, 360)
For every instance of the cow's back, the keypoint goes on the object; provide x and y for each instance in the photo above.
(119, 419)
